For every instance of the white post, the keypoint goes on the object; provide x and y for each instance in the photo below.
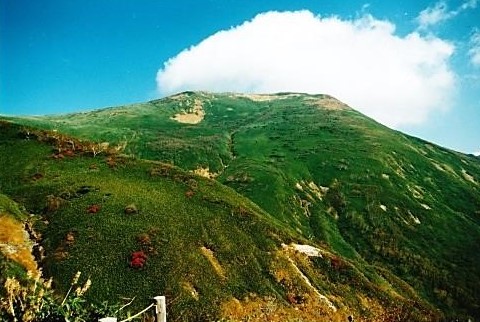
(108, 320)
(160, 309)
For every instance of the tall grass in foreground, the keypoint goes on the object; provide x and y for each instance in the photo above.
(35, 300)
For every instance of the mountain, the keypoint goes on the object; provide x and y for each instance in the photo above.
(277, 206)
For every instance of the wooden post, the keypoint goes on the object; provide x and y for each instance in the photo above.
(160, 309)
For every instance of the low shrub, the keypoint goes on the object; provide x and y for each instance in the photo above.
(138, 259)
(93, 209)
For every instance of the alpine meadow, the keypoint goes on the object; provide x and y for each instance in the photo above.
(242, 207)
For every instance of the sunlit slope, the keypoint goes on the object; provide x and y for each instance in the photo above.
(204, 242)
(377, 197)
(211, 251)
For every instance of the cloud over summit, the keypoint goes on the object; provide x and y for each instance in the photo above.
(396, 80)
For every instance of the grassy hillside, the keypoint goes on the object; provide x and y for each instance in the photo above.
(397, 218)
(182, 222)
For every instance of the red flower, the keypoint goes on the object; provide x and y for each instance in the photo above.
(138, 259)
(137, 262)
(139, 254)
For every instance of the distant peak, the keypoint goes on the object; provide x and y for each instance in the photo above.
(328, 102)
(318, 100)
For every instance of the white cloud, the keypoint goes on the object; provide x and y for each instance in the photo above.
(474, 51)
(477, 154)
(396, 80)
(470, 4)
(439, 13)
(433, 15)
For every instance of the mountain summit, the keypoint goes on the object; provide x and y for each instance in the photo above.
(261, 207)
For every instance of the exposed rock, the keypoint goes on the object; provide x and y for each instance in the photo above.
(192, 115)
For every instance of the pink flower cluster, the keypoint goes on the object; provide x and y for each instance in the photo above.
(138, 259)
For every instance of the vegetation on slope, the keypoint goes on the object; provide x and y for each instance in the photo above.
(401, 215)
(204, 244)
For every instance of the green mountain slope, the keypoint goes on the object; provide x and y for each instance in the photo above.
(397, 218)
(184, 224)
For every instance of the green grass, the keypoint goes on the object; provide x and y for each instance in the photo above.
(261, 150)
(239, 232)
(8, 206)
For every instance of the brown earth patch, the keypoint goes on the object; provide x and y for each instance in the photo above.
(329, 103)
(15, 243)
(209, 254)
(193, 115)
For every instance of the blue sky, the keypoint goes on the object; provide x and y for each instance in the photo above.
(413, 65)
